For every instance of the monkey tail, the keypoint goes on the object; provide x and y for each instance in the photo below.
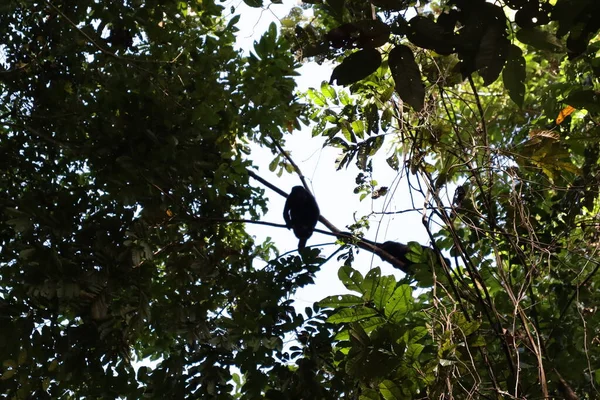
(302, 243)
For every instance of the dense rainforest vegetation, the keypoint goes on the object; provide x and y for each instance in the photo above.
(128, 182)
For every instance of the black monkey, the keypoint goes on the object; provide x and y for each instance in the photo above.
(396, 250)
(301, 214)
(399, 252)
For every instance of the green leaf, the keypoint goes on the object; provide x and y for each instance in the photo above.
(358, 127)
(345, 99)
(328, 91)
(372, 118)
(347, 131)
(385, 290)
(351, 278)
(407, 76)
(368, 325)
(370, 283)
(368, 394)
(416, 334)
(358, 335)
(354, 314)
(514, 75)
(386, 119)
(478, 341)
(345, 300)
(316, 97)
(273, 164)
(390, 391)
(356, 66)
(399, 303)
(413, 351)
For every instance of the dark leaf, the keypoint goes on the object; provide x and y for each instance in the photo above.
(366, 33)
(425, 33)
(356, 66)
(254, 3)
(395, 5)
(513, 75)
(515, 4)
(568, 14)
(335, 8)
(399, 26)
(540, 39)
(407, 76)
(373, 33)
(531, 15)
(447, 21)
(492, 53)
(578, 39)
(586, 99)
(312, 50)
(372, 118)
(343, 36)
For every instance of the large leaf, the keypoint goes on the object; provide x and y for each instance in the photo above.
(365, 33)
(254, 3)
(347, 300)
(586, 99)
(407, 76)
(356, 66)
(390, 391)
(424, 32)
(399, 303)
(492, 53)
(384, 291)
(351, 278)
(371, 283)
(354, 314)
(540, 39)
(513, 75)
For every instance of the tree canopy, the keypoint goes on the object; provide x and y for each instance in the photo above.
(128, 182)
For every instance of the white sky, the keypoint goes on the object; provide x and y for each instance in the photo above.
(333, 189)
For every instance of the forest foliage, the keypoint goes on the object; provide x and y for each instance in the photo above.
(128, 181)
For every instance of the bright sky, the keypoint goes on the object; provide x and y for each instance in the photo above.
(333, 189)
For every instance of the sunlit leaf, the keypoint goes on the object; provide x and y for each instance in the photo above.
(351, 278)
